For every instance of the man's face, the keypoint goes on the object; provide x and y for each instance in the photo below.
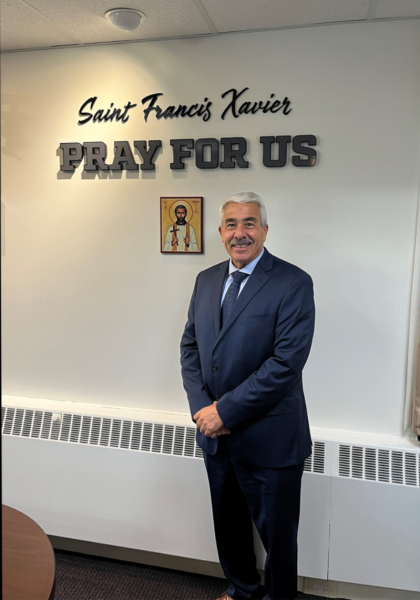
(180, 214)
(242, 232)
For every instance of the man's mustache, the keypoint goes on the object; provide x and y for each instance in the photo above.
(237, 241)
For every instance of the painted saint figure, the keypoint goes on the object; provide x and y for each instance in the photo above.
(180, 236)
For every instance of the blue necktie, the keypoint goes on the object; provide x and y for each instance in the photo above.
(232, 294)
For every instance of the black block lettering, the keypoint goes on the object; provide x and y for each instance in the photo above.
(148, 155)
(95, 155)
(267, 142)
(123, 155)
(298, 140)
(231, 153)
(214, 153)
(179, 153)
(72, 153)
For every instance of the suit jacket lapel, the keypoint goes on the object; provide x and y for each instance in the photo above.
(216, 293)
(256, 281)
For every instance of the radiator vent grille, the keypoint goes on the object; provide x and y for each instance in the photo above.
(18, 422)
(27, 423)
(377, 464)
(101, 431)
(46, 426)
(316, 462)
(356, 462)
(125, 434)
(105, 432)
(95, 431)
(85, 432)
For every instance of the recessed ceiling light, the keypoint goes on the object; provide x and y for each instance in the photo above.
(127, 19)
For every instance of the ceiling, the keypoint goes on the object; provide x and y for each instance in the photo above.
(36, 24)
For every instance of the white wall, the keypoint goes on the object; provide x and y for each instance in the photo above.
(92, 311)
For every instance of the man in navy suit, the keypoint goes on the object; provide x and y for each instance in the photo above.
(247, 338)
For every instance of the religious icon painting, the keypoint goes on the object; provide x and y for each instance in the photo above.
(181, 225)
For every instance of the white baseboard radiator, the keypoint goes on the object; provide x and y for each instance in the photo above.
(140, 483)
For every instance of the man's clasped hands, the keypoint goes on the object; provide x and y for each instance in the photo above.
(208, 421)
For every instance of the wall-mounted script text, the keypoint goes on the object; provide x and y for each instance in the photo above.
(238, 103)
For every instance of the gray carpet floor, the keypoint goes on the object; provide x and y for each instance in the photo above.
(83, 577)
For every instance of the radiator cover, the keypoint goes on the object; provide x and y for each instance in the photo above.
(140, 483)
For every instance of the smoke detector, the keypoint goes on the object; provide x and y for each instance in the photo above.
(127, 19)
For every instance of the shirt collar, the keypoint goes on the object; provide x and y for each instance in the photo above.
(248, 268)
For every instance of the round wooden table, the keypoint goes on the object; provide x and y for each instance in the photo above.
(28, 559)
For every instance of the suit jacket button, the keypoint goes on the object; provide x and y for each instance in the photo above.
(216, 398)
(214, 368)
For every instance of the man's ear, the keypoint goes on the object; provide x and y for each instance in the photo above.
(220, 231)
(265, 232)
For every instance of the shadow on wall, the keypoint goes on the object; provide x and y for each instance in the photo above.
(14, 120)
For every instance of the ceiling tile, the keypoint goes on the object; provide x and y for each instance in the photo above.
(23, 27)
(239, 15)
(387, 9)
(85, 18)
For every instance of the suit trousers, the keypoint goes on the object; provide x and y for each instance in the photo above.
(242, 494)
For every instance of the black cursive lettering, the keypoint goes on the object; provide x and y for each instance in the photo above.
(247, 107)
(152, 99)
(101, 115)
(88, 115)
(232, 103)
(124, 117)
(98, 116)
(173, 112)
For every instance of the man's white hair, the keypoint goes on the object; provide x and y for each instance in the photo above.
(243, 198)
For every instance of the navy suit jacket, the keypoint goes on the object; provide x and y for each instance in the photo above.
(253, 366)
